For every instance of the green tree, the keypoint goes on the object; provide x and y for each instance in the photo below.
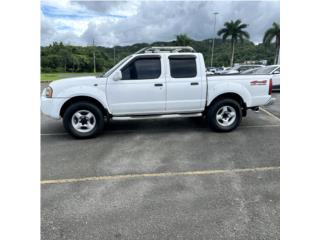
(66, 56)
(53, 59)
(235, 31)
(183, 40)
(269, 35)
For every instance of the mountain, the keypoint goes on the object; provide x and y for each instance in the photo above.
(58, 57)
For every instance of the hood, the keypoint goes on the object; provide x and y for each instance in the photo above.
(73, 81)
(62, 84)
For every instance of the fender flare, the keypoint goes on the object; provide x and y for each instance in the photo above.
(221, 89)
(97, 94)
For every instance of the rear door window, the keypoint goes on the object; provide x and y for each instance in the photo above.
(183, 66)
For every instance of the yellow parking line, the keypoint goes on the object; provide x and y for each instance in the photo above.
(163, 174)
(269, 113)
(53, 134)
(260, 126)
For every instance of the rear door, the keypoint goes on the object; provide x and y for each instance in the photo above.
(184, 83)
(142, 88)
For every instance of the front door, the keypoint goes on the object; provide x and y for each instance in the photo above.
(141, 90)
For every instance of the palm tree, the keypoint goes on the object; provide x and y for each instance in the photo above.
(234, 30)
(183, 40)
(269, 35)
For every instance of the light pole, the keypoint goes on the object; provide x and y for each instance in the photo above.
(94, 57)
(214, 33)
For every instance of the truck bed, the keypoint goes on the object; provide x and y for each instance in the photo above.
(254, 89)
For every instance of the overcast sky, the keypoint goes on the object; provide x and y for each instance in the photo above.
(126, 22)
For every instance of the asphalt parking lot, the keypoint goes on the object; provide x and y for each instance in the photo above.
(163, 179)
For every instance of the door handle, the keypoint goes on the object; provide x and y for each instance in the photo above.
(158, 84)
(194, 83)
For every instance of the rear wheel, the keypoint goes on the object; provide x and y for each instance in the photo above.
(83, 120)
(225, 115)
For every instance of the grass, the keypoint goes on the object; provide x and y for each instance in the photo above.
(48, 77)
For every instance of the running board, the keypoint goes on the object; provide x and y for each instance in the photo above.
(139, 117)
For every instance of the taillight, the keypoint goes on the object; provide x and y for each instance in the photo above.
(270, 86)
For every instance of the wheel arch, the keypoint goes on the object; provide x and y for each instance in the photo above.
(75, 99)
(230, 95)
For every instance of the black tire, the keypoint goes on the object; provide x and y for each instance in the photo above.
(86, 106)
(214, 124)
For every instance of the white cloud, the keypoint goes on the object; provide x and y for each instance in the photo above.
(122, 23)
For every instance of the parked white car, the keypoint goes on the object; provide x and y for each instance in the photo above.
(155, 81)
(239, 69)
(272, 70)
(219, 70)
(249, 71)
(211, 69)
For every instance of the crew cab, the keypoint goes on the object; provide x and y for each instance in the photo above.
(155, 81)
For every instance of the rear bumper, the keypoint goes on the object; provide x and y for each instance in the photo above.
(256, 108)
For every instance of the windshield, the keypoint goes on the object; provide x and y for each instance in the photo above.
(249, 71)
(110, 71)
(265, 70)
(234, 68)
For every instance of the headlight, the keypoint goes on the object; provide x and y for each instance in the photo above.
(48, 92)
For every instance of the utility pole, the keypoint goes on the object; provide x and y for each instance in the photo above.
(94, 57)
(214, 33)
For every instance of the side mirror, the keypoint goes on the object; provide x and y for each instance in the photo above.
(117, 76)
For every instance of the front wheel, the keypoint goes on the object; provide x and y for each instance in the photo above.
(83, 120)
(225, 115)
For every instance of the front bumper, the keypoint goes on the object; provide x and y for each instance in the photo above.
(51, 107)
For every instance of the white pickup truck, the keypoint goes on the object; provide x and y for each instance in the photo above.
(155, 81)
